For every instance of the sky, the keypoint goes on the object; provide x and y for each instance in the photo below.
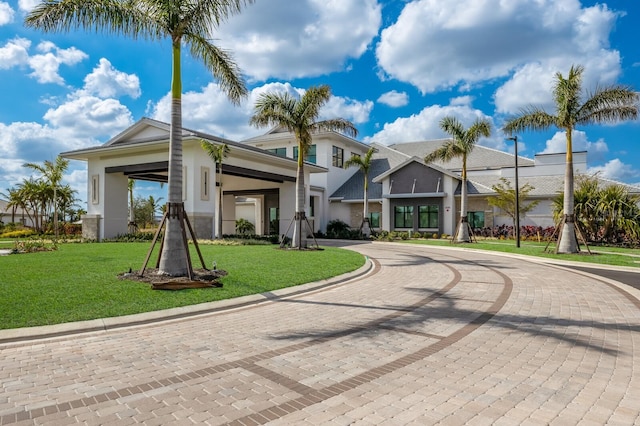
(396, 68)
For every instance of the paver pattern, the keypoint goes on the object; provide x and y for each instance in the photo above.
(431, 336)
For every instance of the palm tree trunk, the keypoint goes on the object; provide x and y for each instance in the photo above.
(219, 230)
(567, 239)
(299, 240)
(463, 227)
(366, 228)
(173, 259)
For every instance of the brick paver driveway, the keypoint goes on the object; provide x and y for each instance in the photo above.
(430, 336)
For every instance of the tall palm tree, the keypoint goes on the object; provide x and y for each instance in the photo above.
(460, 146)
(182, 21)
(300, 117)
(52, 173)
(364, 164)
(606, 105)
(217, 153)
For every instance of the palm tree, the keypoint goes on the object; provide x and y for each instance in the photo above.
(299, 116)
(131, 183)
(606, 105)
(460, 146)
(182, 21)
(52, 173)
(364, 164)
(217, 153)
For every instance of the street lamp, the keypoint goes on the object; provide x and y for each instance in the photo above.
(515, 142)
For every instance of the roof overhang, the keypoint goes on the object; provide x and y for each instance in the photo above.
(417, 195)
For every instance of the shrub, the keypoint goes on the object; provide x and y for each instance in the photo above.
(338, 229)
(243, 226)
(21, 233)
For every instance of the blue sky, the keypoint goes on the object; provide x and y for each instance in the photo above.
(396, 67)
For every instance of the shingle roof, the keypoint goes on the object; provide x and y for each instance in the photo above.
(382, 160)
(480, 158)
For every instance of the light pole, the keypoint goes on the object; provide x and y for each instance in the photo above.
(517, 212)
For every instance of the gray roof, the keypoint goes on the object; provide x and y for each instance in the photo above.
(382, 160)
(481, 157)
(543, 186)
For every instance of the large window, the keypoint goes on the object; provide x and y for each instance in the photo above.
(403, 217)
(428, 216)
(374, 219)
(282, 152)
(337, 157)
(476, 219)
(311, 154)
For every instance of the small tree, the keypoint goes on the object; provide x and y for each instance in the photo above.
(505, 199)
(460, 146)
(217, 153)
(300, 117)
(364, 164)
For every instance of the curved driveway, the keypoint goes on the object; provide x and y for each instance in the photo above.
(429, 336)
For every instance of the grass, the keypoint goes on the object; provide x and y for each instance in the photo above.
(601, 255)
(79, 281)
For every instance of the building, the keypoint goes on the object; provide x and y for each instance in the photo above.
(258, 182)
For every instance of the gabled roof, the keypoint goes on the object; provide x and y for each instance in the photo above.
(481, 158)
(410, 160)
(146, 132)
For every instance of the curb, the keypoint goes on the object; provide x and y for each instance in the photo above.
(21, 335)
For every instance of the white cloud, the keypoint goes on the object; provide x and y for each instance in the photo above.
(394, 99)
(46, 65)
(616, 170)
(107, 82)
(426, 125)
(209, 110)
(27, 5)
(596, 151)
(6, 13)
(288, 39)
(465, 42)
(14, 53)
(89, 117)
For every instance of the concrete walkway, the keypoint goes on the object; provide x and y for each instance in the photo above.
(430, 336)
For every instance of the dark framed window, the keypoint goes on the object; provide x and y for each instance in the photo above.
(403, 217)
(337, 156)
(312, 206)
(282, 152)
(428, 216)
(374, 219)
(476, 219)
(311, 154)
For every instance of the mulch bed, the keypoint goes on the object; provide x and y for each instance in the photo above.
(201, 278)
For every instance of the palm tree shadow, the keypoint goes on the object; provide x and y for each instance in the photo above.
(440, 306)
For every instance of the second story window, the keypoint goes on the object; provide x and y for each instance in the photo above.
(337, 157)
(311, 154)
(282, 152)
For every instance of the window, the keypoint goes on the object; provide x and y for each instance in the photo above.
(404, 217)
(95, 189)
(428, 217)
(337, 157)
(374, 219)
(204, 183)
(476, 219)
(311, 154)
(312, 206)
(282, 152)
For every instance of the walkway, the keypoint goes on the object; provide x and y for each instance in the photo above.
(430, 336)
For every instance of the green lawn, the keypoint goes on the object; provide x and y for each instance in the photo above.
(601, 255)
(79, 281)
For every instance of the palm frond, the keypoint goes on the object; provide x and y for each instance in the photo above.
(531, 118)
(220, 63)
(608, 105)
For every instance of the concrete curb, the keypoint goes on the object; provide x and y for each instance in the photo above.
(106, 324)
